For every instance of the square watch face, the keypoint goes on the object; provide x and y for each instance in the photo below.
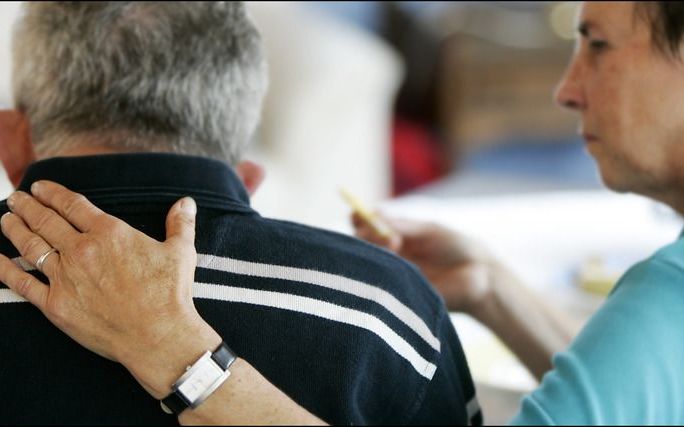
(206, 374)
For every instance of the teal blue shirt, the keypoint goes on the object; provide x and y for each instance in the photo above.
(627, 364)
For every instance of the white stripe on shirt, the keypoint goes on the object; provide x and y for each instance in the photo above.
(326, 280)
(291, 302)
(322, 309)
(8, 295)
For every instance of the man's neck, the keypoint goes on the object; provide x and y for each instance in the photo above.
(81, 151)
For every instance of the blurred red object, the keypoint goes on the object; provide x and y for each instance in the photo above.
(418, 156)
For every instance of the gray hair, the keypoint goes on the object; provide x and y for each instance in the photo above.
(184, 77)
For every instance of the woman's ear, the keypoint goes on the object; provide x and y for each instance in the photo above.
(251, 174)
(16, 149)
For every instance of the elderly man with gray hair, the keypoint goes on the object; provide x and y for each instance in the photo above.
(137, 104)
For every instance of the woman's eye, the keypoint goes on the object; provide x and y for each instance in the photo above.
(598, 45)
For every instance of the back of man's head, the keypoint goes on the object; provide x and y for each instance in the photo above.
(184, 77)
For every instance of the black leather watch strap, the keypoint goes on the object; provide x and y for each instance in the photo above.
(223, 356)
(174, 403)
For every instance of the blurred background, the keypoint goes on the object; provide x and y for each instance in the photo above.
(386, 98)
(442, 111)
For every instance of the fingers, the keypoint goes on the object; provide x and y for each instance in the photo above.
(407, 227)
(30, 245)
(180, 221)
(43, 221)
(23, 283)
(366, 231)
(74, 207)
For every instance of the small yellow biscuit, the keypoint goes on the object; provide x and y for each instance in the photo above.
(371, 218)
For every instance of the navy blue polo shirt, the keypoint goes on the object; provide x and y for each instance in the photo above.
(349, 331)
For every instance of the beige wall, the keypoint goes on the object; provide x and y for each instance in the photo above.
(8, 12)
(326, 119)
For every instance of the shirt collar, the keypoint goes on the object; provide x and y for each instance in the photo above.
(172, 174)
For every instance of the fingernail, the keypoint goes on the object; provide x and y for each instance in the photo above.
(35, 187)
(4, 216)
(10, 200)
(188, 206)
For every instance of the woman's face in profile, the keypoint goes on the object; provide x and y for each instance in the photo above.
(629, 97)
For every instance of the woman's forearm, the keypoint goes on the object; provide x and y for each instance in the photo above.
(246, 397)
(532, 329)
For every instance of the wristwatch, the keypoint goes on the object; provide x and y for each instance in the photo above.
(200, 380)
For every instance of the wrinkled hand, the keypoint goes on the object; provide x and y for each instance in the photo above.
(113, 289)
(459, 268)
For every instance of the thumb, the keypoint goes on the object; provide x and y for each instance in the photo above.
(180, 221)
(377, 230)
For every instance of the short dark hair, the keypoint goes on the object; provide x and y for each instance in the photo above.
(666, 19)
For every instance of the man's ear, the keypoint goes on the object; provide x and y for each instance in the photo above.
(251, 174)
(16, 149)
